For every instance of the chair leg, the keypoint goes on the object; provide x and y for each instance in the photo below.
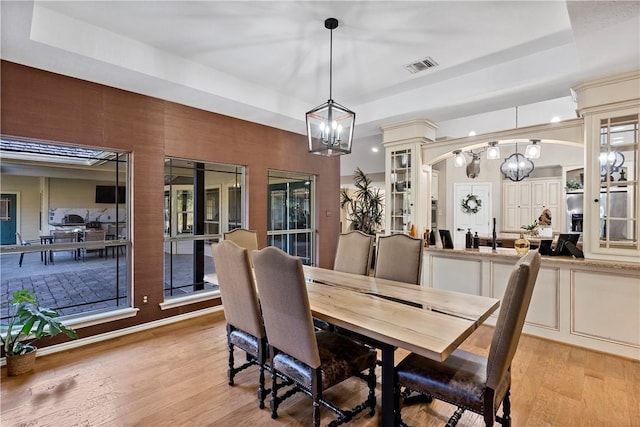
(506, 409)
(316, 392)
(489, 408)
(371, 399)
(274, 393)
(262, 394)
(231, 362)
(21, 258)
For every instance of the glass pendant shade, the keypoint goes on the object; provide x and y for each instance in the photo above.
(330, 129)
(610, 162)
(516, 167)
(493, 152)
(459, 159)
(533, 150)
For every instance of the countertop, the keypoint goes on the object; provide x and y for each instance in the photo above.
(510, 254)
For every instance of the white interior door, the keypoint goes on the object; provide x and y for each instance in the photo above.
(478, 222)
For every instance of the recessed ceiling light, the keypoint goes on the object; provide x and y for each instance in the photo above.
(555, 119)
(472, 133)
(374, 149)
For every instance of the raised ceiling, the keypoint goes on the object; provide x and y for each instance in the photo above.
(268, 61)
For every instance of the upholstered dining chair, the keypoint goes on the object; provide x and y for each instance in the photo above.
(244, 238)
(354, 252)
(245, 328)
(399, 257)
(473, 382)
(310, 360)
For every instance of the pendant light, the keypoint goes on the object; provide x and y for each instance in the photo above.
(516, 167)
(330, 125)
(493, 151)
(533, 150)
(459, 160)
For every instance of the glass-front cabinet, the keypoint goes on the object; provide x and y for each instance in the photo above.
(401, 200)
(406, 190)
(613, 196)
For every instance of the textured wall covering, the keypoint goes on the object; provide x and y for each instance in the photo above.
(42, 105)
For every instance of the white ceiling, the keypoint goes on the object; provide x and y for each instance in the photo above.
(268, 61)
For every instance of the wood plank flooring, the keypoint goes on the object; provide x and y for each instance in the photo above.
(176, 375)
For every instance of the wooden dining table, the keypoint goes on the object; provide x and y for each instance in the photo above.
(391, 315)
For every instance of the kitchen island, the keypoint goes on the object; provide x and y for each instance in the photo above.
(588, 303)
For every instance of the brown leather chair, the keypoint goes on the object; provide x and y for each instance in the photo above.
(399, 257)
(245, 328)
(354, 252)
(308, 359)
(474, 382)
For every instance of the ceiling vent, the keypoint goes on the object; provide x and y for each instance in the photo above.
(421, 65)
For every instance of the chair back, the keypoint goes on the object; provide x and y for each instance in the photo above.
(399, 257)
(64, 237)
(244, 238)
(513, 310)
(285, 305)
(19, 240)
(94, 235)
(237, 287)
(354, 252)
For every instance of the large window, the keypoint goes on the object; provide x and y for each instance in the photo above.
(290, 214)
(64, 228)
(201, 202)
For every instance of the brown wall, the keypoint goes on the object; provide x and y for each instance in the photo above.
(42, 105)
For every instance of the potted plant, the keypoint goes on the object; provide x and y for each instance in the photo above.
(365, 207)
(27, 323)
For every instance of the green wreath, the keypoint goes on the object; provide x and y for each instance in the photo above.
(471, 204)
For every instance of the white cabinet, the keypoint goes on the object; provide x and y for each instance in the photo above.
(434, 185)
(524, 201)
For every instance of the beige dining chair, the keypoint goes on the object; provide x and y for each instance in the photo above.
(245, 328)
(473, 382)
(312, 360)
(399, 258)
(354, 252)
(244, 238)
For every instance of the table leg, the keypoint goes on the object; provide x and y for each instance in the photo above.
(388, 407)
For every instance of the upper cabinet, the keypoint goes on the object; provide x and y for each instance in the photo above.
(408, 186)
(611, 194)
(524, 201)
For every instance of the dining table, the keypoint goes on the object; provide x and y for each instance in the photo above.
(388, 315)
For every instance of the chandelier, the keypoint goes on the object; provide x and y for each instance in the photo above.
(516, 167)
(330, 125)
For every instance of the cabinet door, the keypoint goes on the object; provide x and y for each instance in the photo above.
(546, 194)
(511, 204)
(611, 198)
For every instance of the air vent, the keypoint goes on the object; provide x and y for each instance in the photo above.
(421, 65)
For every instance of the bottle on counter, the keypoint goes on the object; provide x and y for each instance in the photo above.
(426, 237)
(432, 237)
(468, 241)
(476, 241)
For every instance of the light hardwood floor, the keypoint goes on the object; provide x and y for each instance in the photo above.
(176, 375)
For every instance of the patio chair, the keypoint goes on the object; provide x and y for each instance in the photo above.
(64, 237)
(22, 242)
(94, 236)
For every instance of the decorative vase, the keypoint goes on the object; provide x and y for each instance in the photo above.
(522, 244)
(21, 363)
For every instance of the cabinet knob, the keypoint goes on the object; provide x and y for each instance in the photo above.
(596, 200)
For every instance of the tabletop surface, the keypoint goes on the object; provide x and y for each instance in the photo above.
(427, 321)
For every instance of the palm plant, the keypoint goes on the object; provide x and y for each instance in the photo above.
(365, 207)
